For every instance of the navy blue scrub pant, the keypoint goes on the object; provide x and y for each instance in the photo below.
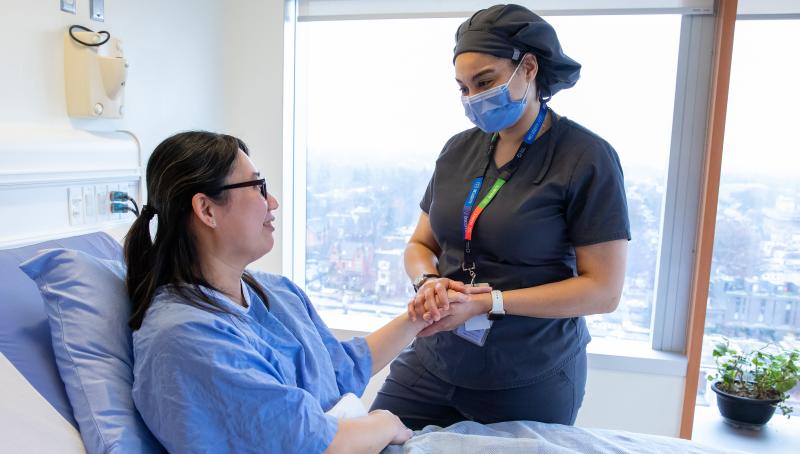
(419, 398)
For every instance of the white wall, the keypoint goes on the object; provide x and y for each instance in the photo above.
(632, 401)
(194, 64)
(174, 50)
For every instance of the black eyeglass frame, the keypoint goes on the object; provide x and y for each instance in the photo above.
(260, 182)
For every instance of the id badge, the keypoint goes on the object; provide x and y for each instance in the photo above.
(476, 329)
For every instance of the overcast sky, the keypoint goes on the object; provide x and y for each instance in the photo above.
(389, 85)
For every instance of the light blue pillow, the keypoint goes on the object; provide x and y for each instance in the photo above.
(88, 309)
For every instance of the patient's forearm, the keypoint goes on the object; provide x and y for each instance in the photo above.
(387, 342)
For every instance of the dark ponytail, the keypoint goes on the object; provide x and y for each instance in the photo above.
(180, 167)
(138, 248)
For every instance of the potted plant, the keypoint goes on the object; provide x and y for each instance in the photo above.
(750, 385)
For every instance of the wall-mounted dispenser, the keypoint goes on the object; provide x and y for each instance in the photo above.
(95, 72)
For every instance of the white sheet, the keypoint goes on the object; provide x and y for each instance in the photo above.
(528, 437)
(28, 423)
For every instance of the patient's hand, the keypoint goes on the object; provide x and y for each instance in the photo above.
(401, 433)
(464, 307)
(435, 296)
(370, 433)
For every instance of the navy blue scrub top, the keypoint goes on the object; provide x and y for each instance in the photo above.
(568, 192)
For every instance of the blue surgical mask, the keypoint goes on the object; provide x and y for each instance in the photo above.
(494, 110)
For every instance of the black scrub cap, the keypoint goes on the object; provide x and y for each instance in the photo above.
(511, 31)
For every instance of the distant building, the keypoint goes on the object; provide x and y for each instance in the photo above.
(390, 277)
(761, 309)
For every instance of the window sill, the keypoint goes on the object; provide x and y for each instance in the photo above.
(780, 435)
(634, 356)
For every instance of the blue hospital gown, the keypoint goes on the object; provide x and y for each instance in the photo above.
(209, 382)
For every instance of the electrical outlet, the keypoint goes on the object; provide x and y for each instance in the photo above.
(89, 205)
(102, 202)
(132, 188)
(75, 205)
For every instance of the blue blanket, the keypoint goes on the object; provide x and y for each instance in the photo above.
(533, 437)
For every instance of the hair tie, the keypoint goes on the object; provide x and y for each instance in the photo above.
(148, 211)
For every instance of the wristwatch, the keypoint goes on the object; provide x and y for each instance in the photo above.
(497, 312)
(421, 280)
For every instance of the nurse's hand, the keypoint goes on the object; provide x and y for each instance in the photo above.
(432, 297)
(464, 307)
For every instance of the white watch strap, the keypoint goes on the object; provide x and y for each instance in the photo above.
(497, 302)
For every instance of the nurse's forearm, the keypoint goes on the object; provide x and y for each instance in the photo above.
(596, 289)
(577, 296)
(419, 259)
(388, 341)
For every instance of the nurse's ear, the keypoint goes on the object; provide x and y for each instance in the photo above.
(204, 210)
(530, 64)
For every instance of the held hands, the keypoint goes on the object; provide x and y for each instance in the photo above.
(446, 303)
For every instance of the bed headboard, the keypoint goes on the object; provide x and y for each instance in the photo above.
(55, 182)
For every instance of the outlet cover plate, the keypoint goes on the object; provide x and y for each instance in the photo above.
(98, 10)
(69, 6)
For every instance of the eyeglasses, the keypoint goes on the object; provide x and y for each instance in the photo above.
(260, 182)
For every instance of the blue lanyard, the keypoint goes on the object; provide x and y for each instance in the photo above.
(470, 216)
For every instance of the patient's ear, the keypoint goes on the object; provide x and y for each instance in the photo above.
(204, 210)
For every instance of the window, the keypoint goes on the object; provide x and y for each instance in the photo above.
(756, 247)
(373, 115)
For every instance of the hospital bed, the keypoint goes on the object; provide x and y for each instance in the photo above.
(38, 415)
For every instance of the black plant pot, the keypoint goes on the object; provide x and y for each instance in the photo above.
(744, 411)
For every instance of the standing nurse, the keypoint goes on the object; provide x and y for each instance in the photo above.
(529, 202)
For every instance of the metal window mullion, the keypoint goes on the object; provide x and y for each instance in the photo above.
(667, 247)
(684, 185)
